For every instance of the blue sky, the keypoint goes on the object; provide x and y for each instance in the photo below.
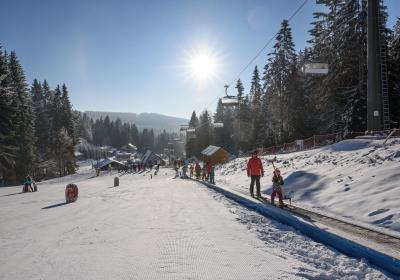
(130, 56)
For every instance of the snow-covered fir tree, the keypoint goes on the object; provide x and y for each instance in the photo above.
(8, 114)
(24, 121)
(191, 142)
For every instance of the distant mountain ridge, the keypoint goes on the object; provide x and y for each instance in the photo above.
(158, 122)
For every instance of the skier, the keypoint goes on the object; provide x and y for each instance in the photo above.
(255, 171)
(204, 173)
(184, 170)
(277, 188)
(191, 170)
(208, 168)
(197, 170)
(212, 175)
(28, 184)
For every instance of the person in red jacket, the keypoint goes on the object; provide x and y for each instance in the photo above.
(255, 171)
(208, 168)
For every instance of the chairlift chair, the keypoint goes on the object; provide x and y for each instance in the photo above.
(191, 133)
(316, 68)
(218, 125)
(184, 127)
(229, 100)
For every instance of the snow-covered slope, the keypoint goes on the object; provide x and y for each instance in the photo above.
(160, 228)
(357, 179)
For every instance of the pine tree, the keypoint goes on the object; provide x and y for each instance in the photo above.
(255, 92)
(192, 142)
(161, 142)
(134, 134)
(85, 127)
(263, 122)
(68, 119)
(256, 104)
(41, 128)
(339, 38)
(63, 155)
(204, 131)
(8, 113)
(242, 123)
(24, 136)
(277, 80)
(62, 133)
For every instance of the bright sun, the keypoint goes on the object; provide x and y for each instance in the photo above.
(202, 66)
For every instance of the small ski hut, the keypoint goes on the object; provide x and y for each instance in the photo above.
(150, 157)
(109, 163)
(215, 154)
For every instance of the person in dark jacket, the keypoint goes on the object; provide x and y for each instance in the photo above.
(212, 175)
(255, 171)
(197, 170)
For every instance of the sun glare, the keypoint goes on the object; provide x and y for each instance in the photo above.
(202, 66)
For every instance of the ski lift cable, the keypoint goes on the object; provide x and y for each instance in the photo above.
(259, 52)
(266, 45)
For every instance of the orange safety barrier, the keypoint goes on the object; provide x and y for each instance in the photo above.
(318, 141)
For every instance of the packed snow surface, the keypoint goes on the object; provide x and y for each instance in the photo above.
(160, 228)
(356, 179)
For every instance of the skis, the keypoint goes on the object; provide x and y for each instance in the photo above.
(267, 201)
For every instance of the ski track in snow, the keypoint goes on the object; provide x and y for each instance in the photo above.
(154, 229)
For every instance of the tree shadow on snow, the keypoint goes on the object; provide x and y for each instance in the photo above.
(55, 205)
(11, 194)
(299, 183)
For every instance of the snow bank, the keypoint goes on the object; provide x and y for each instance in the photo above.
(356, 179)
(323, 235)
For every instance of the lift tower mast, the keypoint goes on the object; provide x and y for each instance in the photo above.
(377, 96)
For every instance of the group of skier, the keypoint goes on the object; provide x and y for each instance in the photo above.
(205, 173)
(255, 171)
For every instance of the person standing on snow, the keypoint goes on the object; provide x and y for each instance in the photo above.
(204, 172)
(191, 168)
(208, 168)
(197, 170)
(277, 188)
(28, 184)
(255, 171)
(212, 175)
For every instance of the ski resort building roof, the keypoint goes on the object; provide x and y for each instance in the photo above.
(108, 162)
(150, 157)
(215, 154)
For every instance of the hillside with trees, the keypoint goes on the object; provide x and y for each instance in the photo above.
(283, 104)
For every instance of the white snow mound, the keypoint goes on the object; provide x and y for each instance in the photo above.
(357, 179)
